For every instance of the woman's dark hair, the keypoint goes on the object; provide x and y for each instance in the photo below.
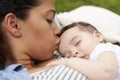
(21, 9)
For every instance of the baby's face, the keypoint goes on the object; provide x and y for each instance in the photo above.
(77, 43)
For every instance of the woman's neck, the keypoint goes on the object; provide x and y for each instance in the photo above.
(26, 62)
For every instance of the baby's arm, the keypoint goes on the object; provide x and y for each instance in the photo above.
(104, 68)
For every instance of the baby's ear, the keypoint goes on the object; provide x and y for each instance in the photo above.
(11, 25)
(99, 36)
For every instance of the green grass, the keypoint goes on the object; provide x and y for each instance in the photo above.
(67, 5)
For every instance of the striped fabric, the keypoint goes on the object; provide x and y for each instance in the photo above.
(59, 72)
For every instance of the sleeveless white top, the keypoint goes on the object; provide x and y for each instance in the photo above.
(107, 47)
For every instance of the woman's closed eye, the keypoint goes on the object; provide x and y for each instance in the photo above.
(50, 17)
(50, 21)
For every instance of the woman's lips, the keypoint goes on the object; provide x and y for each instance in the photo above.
(57, 44)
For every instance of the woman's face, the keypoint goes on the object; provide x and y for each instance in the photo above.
(39, 31)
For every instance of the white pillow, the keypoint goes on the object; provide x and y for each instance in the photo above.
(107, 22)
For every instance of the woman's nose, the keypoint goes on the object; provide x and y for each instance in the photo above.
(56, 30)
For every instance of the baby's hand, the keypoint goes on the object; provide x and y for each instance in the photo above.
(57, 62)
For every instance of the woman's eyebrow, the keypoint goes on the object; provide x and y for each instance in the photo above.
(52, 10)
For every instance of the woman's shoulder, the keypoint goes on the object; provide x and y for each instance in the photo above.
(14, 72)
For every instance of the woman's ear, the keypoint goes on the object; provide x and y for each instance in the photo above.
(11, 25)
(99, 36)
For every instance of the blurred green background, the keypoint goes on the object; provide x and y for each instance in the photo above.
(67, 5)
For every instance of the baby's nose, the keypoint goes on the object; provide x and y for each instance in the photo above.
(75, 54)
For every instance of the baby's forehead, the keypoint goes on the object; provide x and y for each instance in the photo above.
(74, 28)
(66, 37)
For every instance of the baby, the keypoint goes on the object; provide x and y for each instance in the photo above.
(86, 51)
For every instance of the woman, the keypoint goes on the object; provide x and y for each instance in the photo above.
(28, 34)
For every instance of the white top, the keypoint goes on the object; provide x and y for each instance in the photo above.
(107, 47)
(59, 72)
